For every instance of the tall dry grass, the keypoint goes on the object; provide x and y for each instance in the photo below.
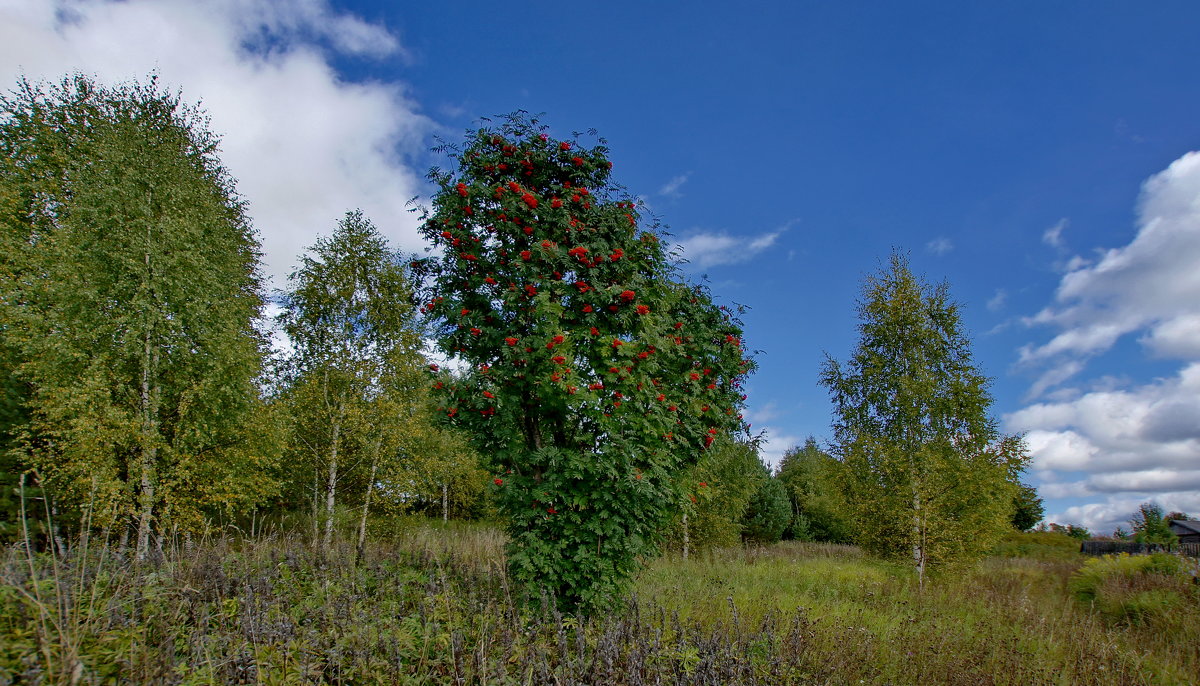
(430, 603)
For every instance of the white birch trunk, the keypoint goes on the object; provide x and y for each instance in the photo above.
(685, 536)
(331, 484)
(362, 522)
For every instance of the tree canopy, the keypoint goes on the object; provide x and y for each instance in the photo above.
(1027, 508)
(1151, 526)
(356, 364)
(810, 476)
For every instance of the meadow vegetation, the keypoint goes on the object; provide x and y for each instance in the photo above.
(432, 603)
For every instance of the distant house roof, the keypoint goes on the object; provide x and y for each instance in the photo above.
(1188, 525)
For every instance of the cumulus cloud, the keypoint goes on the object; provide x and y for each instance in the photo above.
(709, 249)
(939, 246)
(1118, 445)
(1151, 284)
(775, 442)
(1121, 443)
(305, 144)
(1177, 337)
(1104, 517)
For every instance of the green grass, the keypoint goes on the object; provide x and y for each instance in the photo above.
(431, 604)
(1010, 621)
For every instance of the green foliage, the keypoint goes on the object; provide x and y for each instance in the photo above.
(1077, 532)
(128, 292)
(1038, 545)
(926, 473)
(1085, 583)
(435, 461)
(1027, 508)
(356, 390)
(717, 492)
(810, 475)
(1150, 526)
(1144, 590)
(768, 513)
(597, 373)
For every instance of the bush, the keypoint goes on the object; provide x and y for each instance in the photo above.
(768, 513)
(1039, 545)
(1085, 583)
(1134, 589)
(1142, 607)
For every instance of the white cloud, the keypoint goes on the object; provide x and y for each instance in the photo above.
(1152, 283)
(764, 414)
(305, 144)
(1178, 337)
(671, 188)
(998, 300)
(708, 249)
(1106, 516)
(1118, 445)
(1121, 443)
(939, 246)
(1053, 235)
(1053, 376)
(775, 442)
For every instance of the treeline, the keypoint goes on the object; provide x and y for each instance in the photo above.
(144, 392)
(139, 392)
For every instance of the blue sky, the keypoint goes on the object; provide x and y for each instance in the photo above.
(1034, 155)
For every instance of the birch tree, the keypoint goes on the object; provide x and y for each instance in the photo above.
(926, 473)
(128, 291)
(349, 317)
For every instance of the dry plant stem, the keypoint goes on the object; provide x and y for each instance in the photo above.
(63, 601)
(43, 614)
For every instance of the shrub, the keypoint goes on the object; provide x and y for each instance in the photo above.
(768, 513)
(1134, 589)
(1085, 582)
(1039, 545)
(1142, 607)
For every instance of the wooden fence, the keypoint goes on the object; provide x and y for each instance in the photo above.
(1135, 548)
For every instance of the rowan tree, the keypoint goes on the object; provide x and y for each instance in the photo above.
(927, 473)
(599, 372)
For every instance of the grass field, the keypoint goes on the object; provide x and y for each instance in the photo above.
(430, 604)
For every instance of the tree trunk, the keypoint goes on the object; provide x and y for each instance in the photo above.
(331, 484)
(316, 507)
(362, 522)
(445, 503)
(149, 447)
(918, 541)
(685, 536)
